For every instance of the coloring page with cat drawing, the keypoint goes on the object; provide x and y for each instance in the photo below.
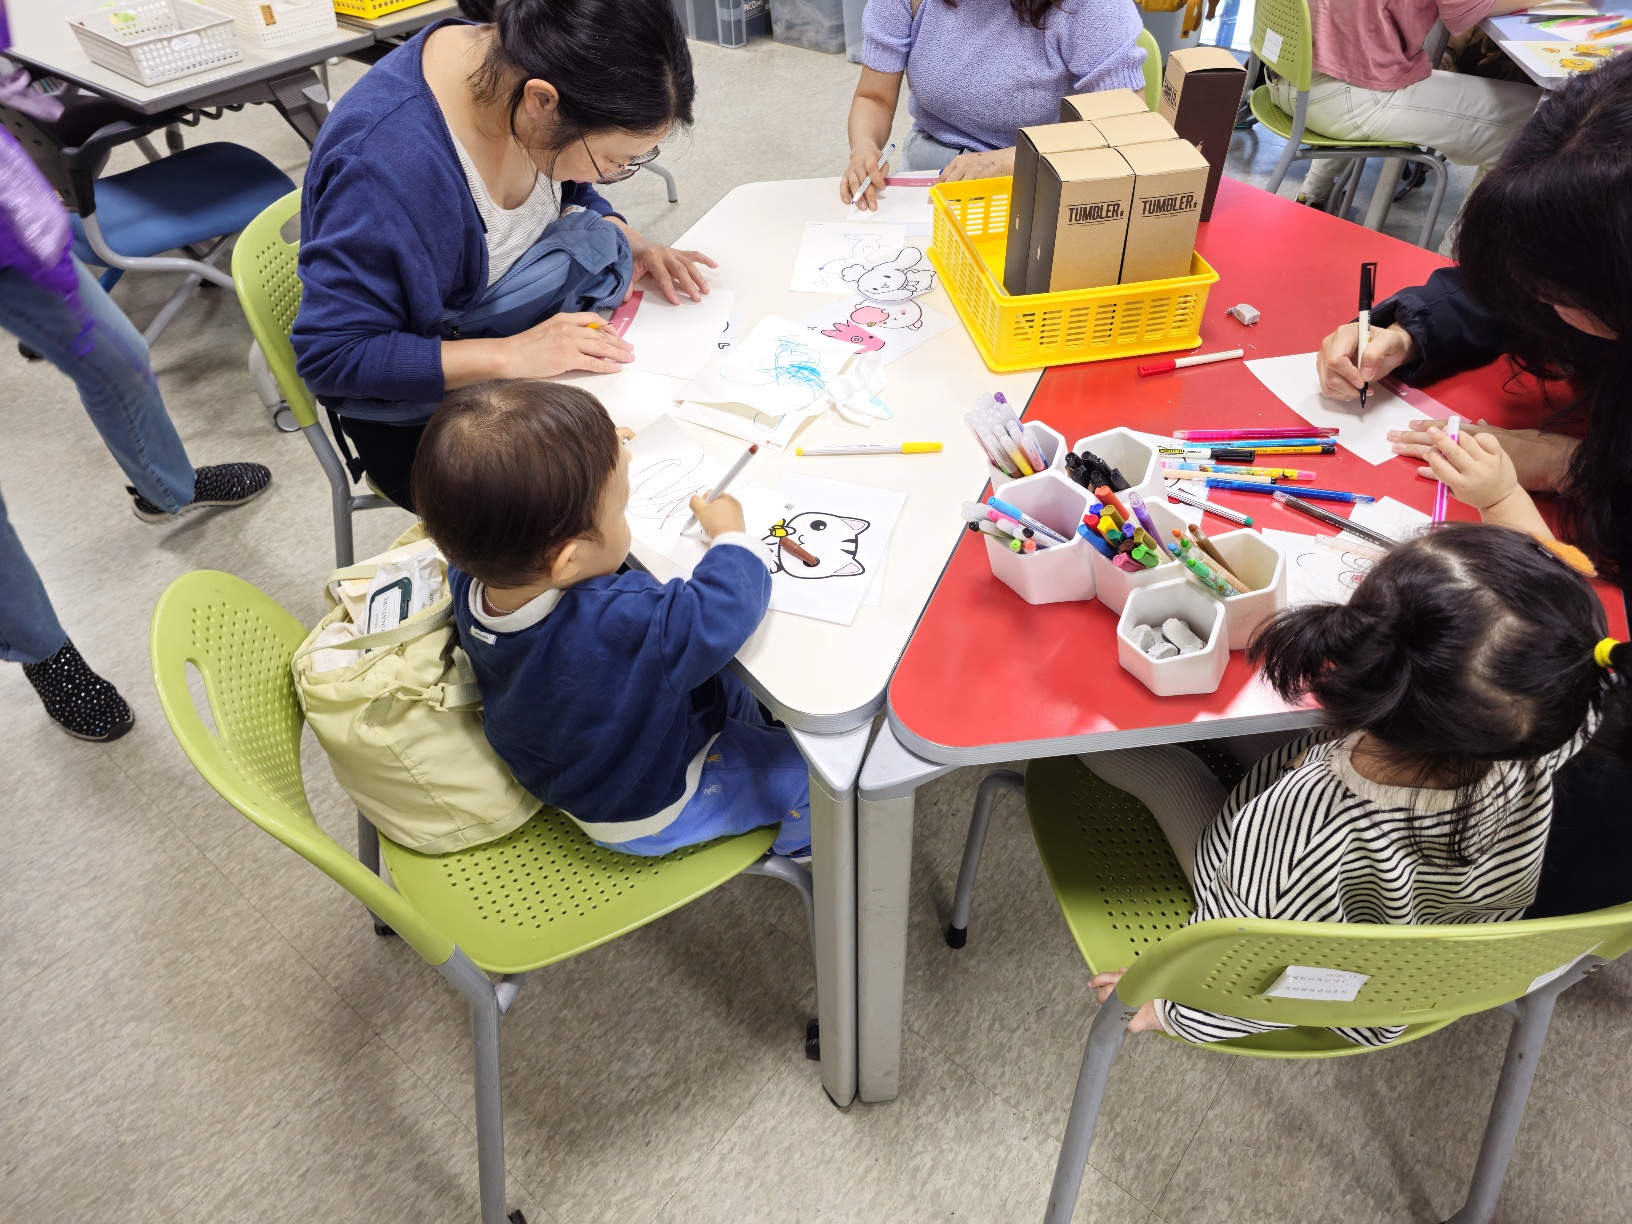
(826, 544)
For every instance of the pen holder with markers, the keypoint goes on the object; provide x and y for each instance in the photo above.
(1260, 566)
(1136, 459)
(1199, 671)
(1048, 575)
(1112, 583)
(1051, 443)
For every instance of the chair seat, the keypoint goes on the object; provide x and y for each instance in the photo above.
(1122, 891)
(1279, 122)
(200, 193)
(547, 892)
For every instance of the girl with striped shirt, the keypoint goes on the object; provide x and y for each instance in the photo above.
(1469, 666)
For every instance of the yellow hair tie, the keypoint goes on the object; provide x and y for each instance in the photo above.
(1600, 652)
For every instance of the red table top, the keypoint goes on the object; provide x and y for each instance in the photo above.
(989, 677)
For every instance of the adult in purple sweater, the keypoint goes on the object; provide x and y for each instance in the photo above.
(979, 70)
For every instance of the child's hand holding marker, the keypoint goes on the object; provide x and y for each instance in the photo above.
(1540, 460)
(1478, 472)
(719, 516)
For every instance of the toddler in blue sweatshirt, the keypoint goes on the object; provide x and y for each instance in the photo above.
(605, 693)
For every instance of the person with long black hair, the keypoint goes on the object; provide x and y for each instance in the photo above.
(979, 70)
(450, 229)
(1544, 276)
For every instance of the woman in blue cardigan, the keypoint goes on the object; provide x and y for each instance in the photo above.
(449, 229)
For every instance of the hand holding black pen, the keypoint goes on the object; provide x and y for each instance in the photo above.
(1368, 287)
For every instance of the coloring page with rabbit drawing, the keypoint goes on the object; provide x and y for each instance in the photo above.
(827, 544)
(873, 260)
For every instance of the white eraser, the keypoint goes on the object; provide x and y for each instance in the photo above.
(1145, 637)
(1163, 649)
(1182, 636)
(1244, 313)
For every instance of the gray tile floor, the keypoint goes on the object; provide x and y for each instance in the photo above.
(197, 1026)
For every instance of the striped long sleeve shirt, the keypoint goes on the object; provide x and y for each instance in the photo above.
(1305, 837)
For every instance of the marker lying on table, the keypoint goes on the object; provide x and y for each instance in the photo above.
(1200, 471)
(1317, 432)
(1268, 446)
(1335, 520)
(1020, 516)
(731, 474)
(1185, 498)
(1263, 486)
(1180, 363)
(873, 448)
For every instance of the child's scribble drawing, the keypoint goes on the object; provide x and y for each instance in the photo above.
(831, 538)
(660, 491)
(794, 369)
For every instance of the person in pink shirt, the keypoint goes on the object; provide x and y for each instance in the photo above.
(1373, 82)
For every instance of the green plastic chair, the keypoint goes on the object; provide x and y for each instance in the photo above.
(1153, 68)
(1126, 901)
(540, 895)
(1287, 21)
(264, 273)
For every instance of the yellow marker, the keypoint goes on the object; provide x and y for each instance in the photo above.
(879, 448)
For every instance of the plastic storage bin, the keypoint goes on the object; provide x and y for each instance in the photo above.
(371, 9)
(1044, 329)
(1049, 575)
(274, 22)
(1139, 462)
(816, 24)
(699, 17)
(1112, 585)
(1048, 441)
(151, 41)
(1260, 565)
(1201, 672)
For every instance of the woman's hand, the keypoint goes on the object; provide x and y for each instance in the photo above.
(1539, 459)
(1144, 1020)
(863, 179)
(563, 343)
(1387, 349)
(669, 269)
(995, 164)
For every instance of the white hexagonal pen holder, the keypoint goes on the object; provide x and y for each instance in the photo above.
(1260, 565)
(1051, 443)
(1111, 584)
(1201, 672)
(1049, 575)
(1136, 459)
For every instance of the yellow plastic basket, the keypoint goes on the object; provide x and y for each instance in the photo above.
(1046, 329)
(371, 9)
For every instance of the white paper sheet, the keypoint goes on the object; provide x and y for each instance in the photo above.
(741, 421)
(778, 367)
(677, 341)
(846, 526)
(1364, 433)
(1396, 520)
(1313, 982)
(667, 466)
(890, 329)
(1316, 572)
(902, 205)
(873, 259)
(732, 332)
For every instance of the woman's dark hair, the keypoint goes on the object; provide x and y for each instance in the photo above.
(1461, 648)
(1031, 12)
(508, 471)
(618, 65)
(1552, 223)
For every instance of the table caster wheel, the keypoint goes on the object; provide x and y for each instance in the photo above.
(813, 1041)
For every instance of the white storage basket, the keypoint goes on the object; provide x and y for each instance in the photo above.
(274, 22)
(151, 41)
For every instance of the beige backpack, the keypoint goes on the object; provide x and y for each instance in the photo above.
(402, 725)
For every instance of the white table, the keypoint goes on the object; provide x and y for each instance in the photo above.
(827, 681)
(280, 75)
(1507, 31)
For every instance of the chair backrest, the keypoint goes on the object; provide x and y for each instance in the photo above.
(1416, 974)
(241, 642)
(264, 272)
(1285, 26)
(1153, 68)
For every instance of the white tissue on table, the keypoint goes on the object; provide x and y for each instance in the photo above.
(855, 394)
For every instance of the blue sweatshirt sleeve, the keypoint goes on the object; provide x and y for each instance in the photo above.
(585, 196)
(709, 617)
(352, 335)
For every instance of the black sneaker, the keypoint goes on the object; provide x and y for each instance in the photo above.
(225, 484)
(86, 705)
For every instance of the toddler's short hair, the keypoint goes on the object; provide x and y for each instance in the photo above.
(508, 471)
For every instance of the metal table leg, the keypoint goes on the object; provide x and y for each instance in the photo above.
(834, 762)
(889, 783)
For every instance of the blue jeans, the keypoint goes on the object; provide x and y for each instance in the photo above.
(923, 152)
(115, 382)
(753, 776)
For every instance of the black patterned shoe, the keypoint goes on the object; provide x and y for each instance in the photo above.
(225, 484)
(86, 705)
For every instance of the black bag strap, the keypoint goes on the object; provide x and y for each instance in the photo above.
(354, 465)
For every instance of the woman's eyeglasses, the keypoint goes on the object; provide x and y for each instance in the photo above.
(617, 174)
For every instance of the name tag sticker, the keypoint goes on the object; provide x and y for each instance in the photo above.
(1309, 982)
(1552, 975)
(481, 635)
(1272, 47)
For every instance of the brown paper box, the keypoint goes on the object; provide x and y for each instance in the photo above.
(1170, 179)
(1146, 126)
(1200, 96)
(1081, 220)
(1030, 145)
(1102, 105)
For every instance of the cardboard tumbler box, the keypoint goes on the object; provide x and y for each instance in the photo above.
(1082, 204)
(1200, 96)
(1030, 146)
(1170, 179)
(1143, 128)
(1102, 105)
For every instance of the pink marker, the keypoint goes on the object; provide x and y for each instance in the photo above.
(1453, 431)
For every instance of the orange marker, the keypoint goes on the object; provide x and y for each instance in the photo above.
(1110, 499)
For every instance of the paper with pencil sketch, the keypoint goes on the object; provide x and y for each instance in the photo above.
(842, 529)
(1317, 572)
(677, 340)
(1363, 432)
